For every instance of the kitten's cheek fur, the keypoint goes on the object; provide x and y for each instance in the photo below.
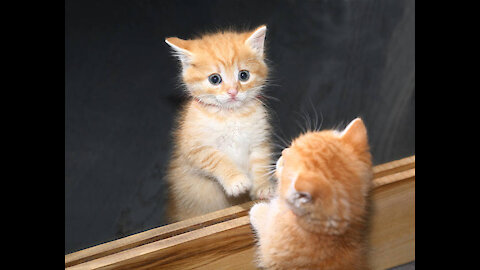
(238, 185)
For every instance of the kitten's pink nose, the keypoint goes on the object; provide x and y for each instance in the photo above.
(232, 92)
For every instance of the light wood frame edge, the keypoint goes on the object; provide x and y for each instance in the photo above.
(159, 239)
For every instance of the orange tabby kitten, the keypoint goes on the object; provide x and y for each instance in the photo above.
(317, 220)
(221, 150)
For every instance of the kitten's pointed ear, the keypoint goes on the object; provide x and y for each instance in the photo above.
(355, 133)
(180, 48)
(256, 39)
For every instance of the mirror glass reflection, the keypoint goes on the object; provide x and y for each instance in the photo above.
(314, 65)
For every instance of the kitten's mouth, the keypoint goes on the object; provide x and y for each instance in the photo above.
(233, 101)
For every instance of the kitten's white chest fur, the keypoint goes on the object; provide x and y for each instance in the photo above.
(236, 137)
(233, 140)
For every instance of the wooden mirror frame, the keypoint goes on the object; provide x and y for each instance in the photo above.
(224, 239)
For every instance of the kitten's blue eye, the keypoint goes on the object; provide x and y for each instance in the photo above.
(243, 75)
(215, 79)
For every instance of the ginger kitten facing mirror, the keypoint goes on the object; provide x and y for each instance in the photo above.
(221, 152)
(318, 218)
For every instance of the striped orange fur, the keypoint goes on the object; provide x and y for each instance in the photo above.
(221, 151)
(318, 219)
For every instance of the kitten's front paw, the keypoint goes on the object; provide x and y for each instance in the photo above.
(238, 185)
(264, 192)
(258, 212)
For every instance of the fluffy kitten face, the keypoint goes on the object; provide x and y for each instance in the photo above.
(225, 69)
(325, 177)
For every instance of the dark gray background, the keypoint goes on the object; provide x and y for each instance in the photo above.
(341, 59)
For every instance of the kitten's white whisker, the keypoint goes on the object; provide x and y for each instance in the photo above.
(316, 126)
(263, 103)
(276, 153)
(269, 97)
(264, 166)
(302, 128)
(270, 173)
(280, 146)
(282, 140)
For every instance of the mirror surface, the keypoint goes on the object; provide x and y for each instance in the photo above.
(334, 59)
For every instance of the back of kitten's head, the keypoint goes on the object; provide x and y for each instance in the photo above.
(225, 69)
(325, 177)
